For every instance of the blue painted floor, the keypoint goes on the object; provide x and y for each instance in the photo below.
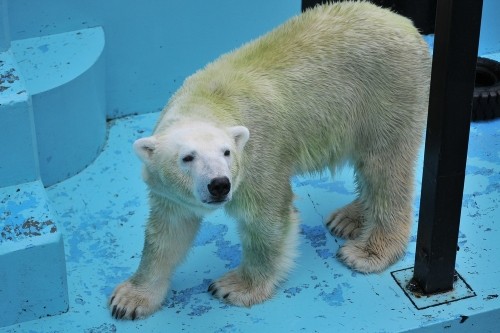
(102, 213)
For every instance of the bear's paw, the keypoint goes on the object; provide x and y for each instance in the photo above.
(367, 258)
(232, 288)
(133, 302)
(347, 221)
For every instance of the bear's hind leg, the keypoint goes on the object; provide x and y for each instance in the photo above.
(347, 221)
(269, 247)
(385, 185)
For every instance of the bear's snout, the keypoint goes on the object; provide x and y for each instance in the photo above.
(219, 187)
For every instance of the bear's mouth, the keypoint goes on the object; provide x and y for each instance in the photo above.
(216, 201)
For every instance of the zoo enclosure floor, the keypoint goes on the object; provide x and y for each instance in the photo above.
(102, 213)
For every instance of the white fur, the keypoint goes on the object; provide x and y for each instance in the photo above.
(341, 83)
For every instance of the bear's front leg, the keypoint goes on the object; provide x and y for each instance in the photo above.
(169, 233)
(269, 247)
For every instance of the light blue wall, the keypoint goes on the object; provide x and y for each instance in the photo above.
(4, 26)
(490, 27)
(151, 46)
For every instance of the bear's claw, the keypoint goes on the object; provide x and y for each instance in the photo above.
(347, 221)
(120, 313)
(214, 290)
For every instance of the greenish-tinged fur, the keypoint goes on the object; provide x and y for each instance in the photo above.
(341, 83)
(344, 77)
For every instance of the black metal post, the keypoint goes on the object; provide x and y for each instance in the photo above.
(452, 84)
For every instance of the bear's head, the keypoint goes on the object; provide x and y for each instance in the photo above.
(193, 163)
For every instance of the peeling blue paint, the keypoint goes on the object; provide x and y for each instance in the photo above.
(199, 310)
(210, 233)
(334, 297)
(316, 235)
(104, 328)
(229, 252)
(228, 328)
(290, 292)
(325, 254)
(226, 251)
(182, 298)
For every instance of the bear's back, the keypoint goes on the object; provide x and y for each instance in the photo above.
(317, 85)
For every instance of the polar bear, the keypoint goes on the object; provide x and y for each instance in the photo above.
(345, 82)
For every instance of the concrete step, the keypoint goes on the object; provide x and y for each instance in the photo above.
(32, 262)
(51, 61)
(70, 126)
(50, 131)
(18, 156)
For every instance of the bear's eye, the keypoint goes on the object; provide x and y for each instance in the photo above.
(227, 153)
(188, 158)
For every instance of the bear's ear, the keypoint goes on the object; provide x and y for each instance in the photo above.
(240, 135)
(145, 147)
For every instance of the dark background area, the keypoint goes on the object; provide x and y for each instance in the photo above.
(421, 12)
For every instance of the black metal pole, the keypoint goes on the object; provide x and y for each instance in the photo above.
(452, 84)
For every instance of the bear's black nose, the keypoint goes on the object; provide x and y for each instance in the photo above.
(219, 187)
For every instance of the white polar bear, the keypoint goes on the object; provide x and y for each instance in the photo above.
(340, 83)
